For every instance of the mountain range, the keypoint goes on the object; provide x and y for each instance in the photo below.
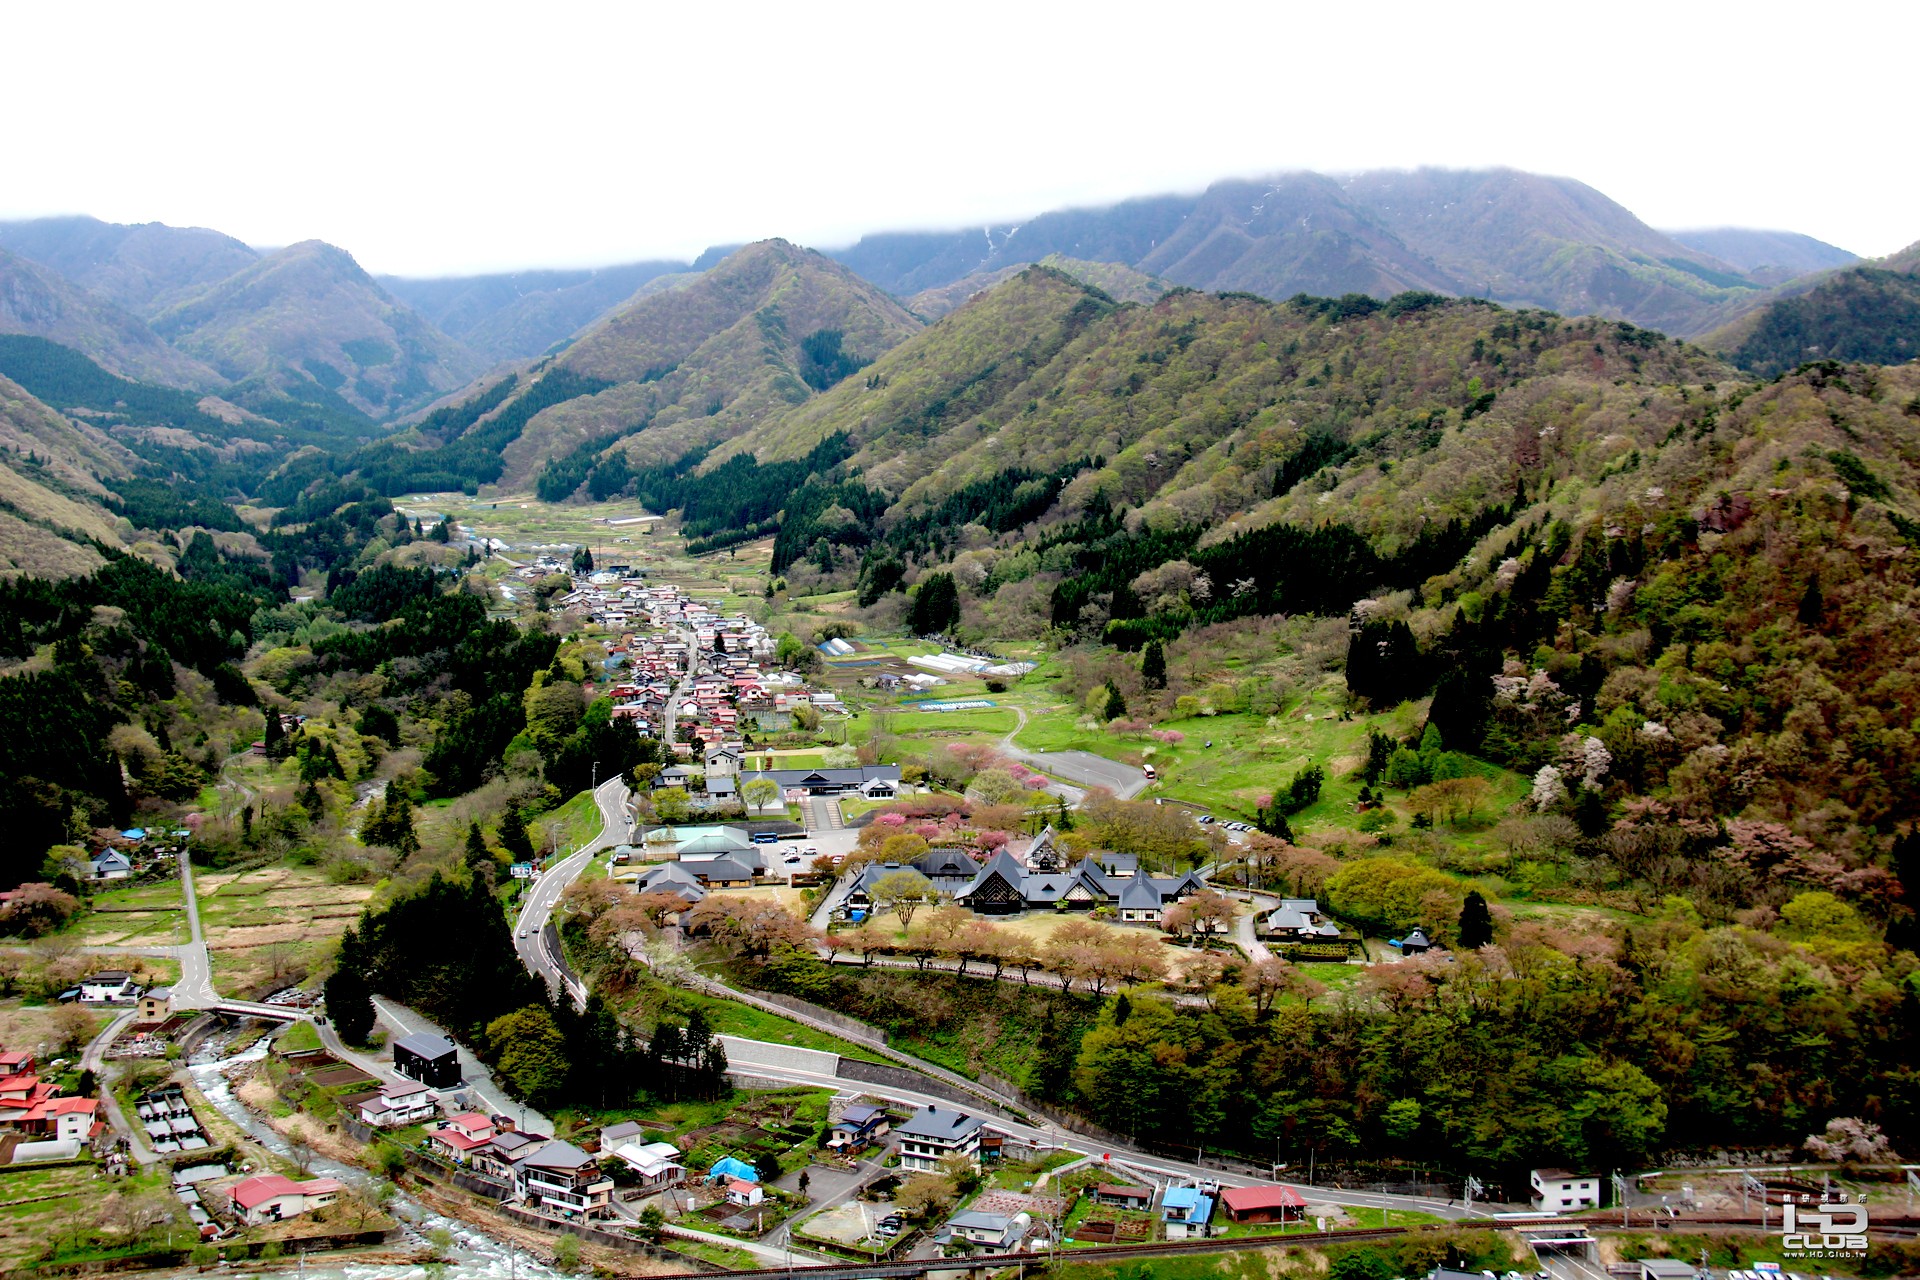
(192, 307)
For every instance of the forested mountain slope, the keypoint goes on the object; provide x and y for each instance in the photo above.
(308, 321)
(1768, 257)
(769, 327)
(1119, 282)
(1870, 312)
(523, 314)
(1519, 238)
(141, 267)
(1712, 575)
(37, 301)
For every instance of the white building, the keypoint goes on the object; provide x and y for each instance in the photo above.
(1558, 1191)
(272, 1198)
(399, 1104)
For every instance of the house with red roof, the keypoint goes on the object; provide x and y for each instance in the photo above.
(269, 1197)
(1263, 1204)
(460, 1136)
(63, 1119)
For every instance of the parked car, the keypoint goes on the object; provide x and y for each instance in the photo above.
(1204, 819)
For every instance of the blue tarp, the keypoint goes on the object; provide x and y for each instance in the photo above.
(728, 1167)
(134, 833)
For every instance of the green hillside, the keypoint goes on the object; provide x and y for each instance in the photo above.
(1119, 282)
(309, 324)
(689, 366)
(1863, 313)
(1684, 554)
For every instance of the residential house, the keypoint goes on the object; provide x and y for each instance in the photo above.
(399, 1104)
(933, 1133)
(656, 1164)
(721, 873)
(269, 1197)
(1185, 1212)
(1116, 1196)
(1559, 1191)
(15, 1061)
(744, 1193)
(155, 1005)
(63, 1119)
(559, 1178)
(460, 1136)
(430, 1059)
(879, 788)
(858, 1126)
(109, 986)
(496, 1158)
(111, 865)
(1416, 943)
(1298, 920)
(986, 1232)
(724, 761)
(1263, 1204)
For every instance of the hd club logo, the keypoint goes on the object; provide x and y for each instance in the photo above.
(1824, 1229)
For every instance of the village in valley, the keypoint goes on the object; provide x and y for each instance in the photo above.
(777, 820)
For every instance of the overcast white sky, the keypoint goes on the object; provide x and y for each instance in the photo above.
(438, 139)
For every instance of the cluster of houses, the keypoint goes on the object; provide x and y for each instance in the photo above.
(546, 1176)
(1036, 875)
(35, 1110)
(726, 771)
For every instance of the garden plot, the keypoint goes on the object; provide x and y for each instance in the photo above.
(273, 925)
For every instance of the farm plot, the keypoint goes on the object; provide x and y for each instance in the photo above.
(270, 927)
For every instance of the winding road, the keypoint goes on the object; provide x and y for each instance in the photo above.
(1083, 769)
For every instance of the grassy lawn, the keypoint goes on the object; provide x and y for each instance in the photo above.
(791, 899)
(298, 1037)
(730, 1017)
(906, 722)
(573, 823)
(27, 1026)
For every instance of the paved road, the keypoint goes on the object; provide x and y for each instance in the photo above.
(94, 1059)
(529, 931)
(772, 1067)
(1081, 768)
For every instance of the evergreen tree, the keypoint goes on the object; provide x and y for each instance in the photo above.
(349, 1000)
(936, 605)
(1116, 705)
(513, 836)
(1476, 922)
(1813, 606)
(273, 739)
(1153, 665)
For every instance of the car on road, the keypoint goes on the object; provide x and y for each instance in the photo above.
(791, 860)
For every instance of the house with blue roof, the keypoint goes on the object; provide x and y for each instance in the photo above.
(1186, 1212)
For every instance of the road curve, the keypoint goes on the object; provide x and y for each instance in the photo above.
(529, 929)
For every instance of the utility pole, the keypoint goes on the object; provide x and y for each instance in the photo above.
(1473, 1188)
(1620, 1194)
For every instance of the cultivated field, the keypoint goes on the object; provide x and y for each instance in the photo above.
(264, 928)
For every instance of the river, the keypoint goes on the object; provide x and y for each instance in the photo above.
(474, 1254)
